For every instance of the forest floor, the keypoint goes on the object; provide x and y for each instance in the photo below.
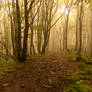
(48, 73)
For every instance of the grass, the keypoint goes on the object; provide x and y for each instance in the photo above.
(8, 66)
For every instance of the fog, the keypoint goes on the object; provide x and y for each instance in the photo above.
(55, 26)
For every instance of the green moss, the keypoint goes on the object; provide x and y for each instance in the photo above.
(76, 76)
(8, 66)
(82, 64)
(80, 75)
(79, 88)
(86, 68)
(88, 73)
(79, 79)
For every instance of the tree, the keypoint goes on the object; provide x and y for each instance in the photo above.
(65, 31)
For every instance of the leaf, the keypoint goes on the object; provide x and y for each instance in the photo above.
(79, 82)
(5, 85)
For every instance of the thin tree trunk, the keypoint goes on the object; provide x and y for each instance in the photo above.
(18, 29)
(77, 30)
(32, 50)
(80, 32)
(65, 33)
(24, 51)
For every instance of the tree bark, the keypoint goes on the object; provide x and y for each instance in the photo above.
(24, 51)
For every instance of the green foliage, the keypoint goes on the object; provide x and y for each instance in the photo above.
(79, 79)
(88, 71)
(85, 56)
(85, 73)
(77, 76)
(8, 66)
(86, 68)
(81, 87)
(80, 76)
(77, 84)
(82, 64)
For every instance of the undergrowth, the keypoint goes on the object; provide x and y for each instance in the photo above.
(11, 65)
(80, 78)
(8, 66)
(80, 86)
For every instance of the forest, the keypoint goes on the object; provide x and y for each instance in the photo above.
(45, 45)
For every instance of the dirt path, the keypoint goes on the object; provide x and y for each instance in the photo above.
(46, 74)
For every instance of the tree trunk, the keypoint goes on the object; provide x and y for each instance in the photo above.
(32, 50)
(18, 30)
(80, 32)
(24, 51)
(77, 29)
(46, 39)
(65, 33)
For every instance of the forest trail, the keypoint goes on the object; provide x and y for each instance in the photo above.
(47, 74)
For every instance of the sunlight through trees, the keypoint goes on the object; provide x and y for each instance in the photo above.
(31, 27)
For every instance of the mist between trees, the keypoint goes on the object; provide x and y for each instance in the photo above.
(29, 27)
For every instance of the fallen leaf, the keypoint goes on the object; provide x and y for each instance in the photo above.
(50, 81)
(22, 85)
(5, 85)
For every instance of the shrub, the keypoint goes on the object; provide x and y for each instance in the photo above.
(76, 76)
(8, 66)
(80, 86)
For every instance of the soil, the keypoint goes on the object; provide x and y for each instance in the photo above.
(49, 73)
